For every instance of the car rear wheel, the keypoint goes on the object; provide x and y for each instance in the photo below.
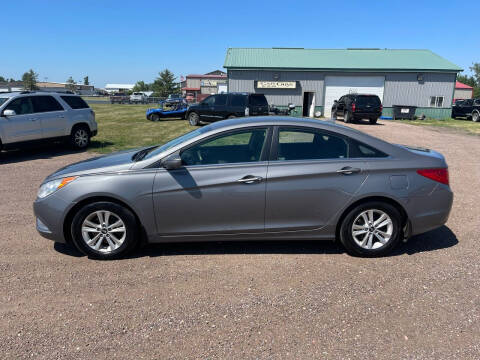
(373, 121)
(155, 117)
(193, 119)
(476, 117)
(371, 229)
(80, 137)
(104, 230)
(347, 117)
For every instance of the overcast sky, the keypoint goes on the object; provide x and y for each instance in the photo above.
(125, 41)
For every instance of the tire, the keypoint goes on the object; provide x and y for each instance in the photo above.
(360, 244)
(334, 115)
(109, 244)
(347, 117)
(155, 117)
(80, 137)
(475, 117)
(373, 121)
(194, 119)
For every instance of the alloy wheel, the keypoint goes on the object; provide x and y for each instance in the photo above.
(372, 229)
(103, 231)
(81, 138)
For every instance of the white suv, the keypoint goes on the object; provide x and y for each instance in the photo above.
(29, 116)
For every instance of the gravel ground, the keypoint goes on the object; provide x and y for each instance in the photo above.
(297, 300)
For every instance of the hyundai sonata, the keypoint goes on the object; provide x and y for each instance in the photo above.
(249, 179)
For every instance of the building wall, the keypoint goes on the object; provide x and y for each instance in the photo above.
(400, 88)
(193, 83)
(462, 94)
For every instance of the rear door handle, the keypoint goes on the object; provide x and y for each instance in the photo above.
(250, 179)
(348, 170)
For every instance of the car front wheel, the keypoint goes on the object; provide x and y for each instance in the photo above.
(155, 117)
(193, 119)
(371, 229)
(476, 117)
(104, 230)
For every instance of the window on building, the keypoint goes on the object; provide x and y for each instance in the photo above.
(436, 101)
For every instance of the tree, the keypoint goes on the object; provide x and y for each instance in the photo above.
(2, 79)
(85, 80)
(465, 79)
(141, 86)
(165, 84)
(71, 84)
(30, 80)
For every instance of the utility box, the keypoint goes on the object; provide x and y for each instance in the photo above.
(404, 112)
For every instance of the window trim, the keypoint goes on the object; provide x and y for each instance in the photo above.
(275, 141)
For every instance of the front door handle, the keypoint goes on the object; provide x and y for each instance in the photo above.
(348, 170)
(250, 179)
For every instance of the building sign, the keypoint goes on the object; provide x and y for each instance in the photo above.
(276, 84)
(212, 83)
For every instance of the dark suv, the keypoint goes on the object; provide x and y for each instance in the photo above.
(469, 108)
(227, 106)
(353, 107)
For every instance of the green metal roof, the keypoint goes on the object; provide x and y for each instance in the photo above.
(337, 59)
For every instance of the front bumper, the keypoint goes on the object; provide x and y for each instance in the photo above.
(50, 215)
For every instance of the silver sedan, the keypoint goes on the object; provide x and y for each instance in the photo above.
(249, 179)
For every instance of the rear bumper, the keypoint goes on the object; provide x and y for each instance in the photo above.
(431, 211)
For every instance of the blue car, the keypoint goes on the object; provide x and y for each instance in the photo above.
(173, 108)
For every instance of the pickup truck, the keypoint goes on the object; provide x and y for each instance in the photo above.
(469, 108)
(119, 98)
(138, 98)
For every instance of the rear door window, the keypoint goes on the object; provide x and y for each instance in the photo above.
(310, 144)
(238, 100)
(220, 100)
(75, 102)
(46, 103)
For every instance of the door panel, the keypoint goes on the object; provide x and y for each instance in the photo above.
(210, 199)
(307, 194)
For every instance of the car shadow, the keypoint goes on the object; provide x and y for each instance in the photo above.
(438, 239)
(36, 152)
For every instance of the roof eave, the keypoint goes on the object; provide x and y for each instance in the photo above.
(343, 69)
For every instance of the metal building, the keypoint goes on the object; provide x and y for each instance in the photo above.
(312, 79)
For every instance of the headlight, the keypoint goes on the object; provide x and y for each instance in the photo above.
(52, 186)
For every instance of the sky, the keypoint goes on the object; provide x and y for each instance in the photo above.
(126, 41)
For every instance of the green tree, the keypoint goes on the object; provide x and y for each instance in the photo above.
(465, 79)
(2, 79)
(165, 84)
(71, 84)
(141, 86)
(30, 80)
(85, 81)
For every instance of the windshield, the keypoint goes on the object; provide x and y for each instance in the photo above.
(2, 100)
(157, 150)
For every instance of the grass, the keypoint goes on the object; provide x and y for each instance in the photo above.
(123, 127)
(103, 98)
(463, 125)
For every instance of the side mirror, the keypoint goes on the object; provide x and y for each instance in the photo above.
(291, 106)
(9, 113)
(172, 162)
(335, 101)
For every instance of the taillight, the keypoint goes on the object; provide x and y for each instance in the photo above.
(353, 107)
(439, 175)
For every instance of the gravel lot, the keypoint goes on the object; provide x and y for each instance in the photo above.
(297, 300)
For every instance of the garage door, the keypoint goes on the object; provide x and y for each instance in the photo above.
(337, 86)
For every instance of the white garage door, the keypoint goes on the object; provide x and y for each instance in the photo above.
(337, 86)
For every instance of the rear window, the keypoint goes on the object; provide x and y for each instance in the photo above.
(46, 104)
(75, 102)
(258, 100)
(368, 100)
(237, 100)
(360, 150)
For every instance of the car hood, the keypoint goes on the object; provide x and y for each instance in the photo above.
(101, 164)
